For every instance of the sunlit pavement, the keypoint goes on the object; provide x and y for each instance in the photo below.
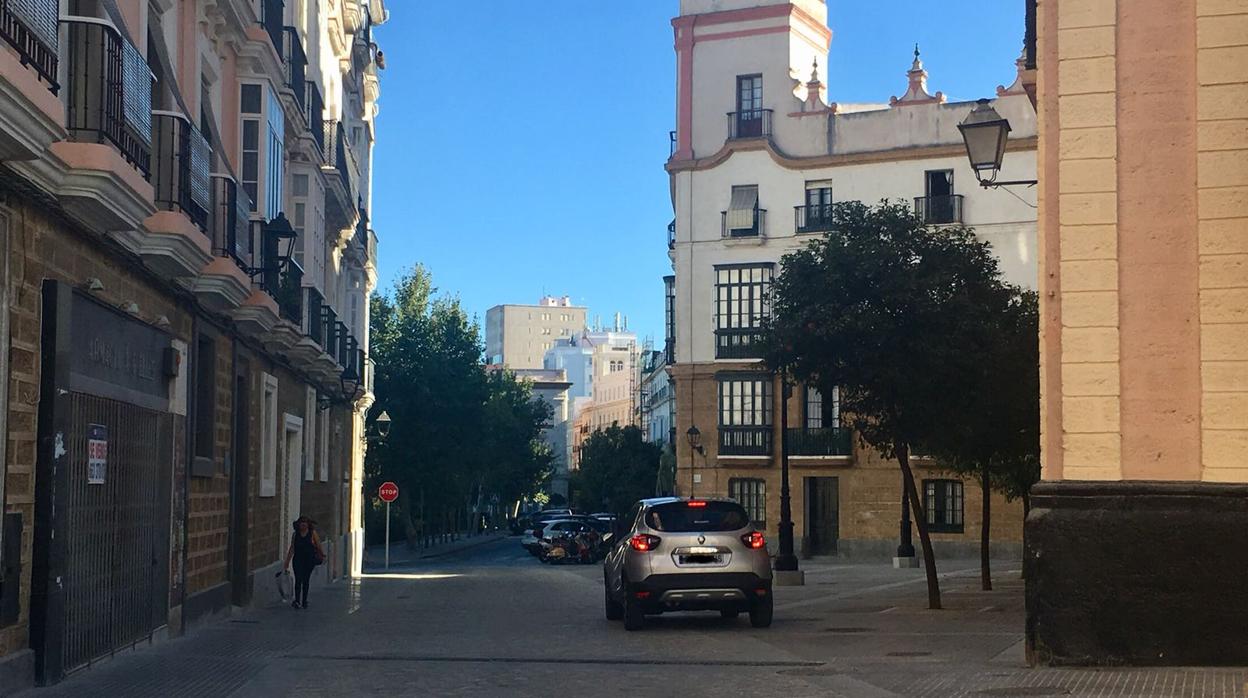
(491, 620)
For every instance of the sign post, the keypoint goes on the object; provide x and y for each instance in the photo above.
(388, 492)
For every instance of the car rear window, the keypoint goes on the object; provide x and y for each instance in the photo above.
(679, 517)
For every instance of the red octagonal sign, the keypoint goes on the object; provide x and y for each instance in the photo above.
(388, 492)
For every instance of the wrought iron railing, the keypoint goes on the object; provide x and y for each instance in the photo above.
(180, 167)
(230, 220)
(361, 230)
(752, 227)
(745, 441)
(753, 123)
(336, 154)
(289, 295)
(671, 235)
(315, 114)
(671, 148)
(813, 219)
(30, 27)
(739, 343)
(295, 60)
(313, 306)
(329, 321)
(669, 351)
(938, 210)
(346, 345)
(109, 90)
(820, 441)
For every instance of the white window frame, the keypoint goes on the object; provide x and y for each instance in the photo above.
(268, 435)
(322, 436)
(309, 435)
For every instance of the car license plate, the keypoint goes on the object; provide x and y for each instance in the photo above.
(700, 551)
(699, 559)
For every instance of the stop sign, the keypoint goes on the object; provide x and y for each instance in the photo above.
(388, 492)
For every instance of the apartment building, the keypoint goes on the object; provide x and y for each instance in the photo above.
(751, 186)
(184, 195)
(518, 336)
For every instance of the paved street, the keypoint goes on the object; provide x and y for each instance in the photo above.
(490, 620)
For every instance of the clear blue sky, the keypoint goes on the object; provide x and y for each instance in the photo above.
(521, 142)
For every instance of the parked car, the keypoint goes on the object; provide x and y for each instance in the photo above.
(685, 554)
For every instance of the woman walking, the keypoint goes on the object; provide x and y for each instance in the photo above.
(305, 550)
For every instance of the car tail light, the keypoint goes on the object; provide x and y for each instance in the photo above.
(696, 503)
(754, 540)
(643, 542)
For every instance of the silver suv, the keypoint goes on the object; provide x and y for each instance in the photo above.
(688, 555)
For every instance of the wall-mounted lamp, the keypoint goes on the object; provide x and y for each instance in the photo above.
(985, 133)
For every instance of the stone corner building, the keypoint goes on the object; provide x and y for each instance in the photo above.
(187, 259)
(760, 183)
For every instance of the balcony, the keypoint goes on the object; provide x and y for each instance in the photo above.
(739, 343)
(671, 235)
(109, 91)
(671, 149)
(30, 27)
(752, 227)
(342, 204)
(231, 224)
(939, 210)
(669, 351)
(180, 167)
(329, 324)
(295, 62)
(270, 14)
(820, 441)
(745, 441)
(289, 294)
(755, 123)
(315, 116)
(813, 219)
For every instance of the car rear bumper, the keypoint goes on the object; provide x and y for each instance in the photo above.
(700, 591)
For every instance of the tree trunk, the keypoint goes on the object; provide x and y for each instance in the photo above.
(985, 570)
(920, 520)
(1026, 511)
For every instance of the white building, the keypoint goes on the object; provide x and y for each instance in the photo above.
(551, 387)
(750, 188)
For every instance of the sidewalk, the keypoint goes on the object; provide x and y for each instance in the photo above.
(400, 554)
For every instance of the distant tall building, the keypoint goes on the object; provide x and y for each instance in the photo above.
(612, 382)
(518, 336)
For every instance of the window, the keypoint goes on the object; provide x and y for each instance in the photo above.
(742, 303)
(752, 494)
(745, 414)
(268, 437)
(742, 217)
(309, 435)
(749, 117)
(263, 162)
(816, 216)
(943, 501)
(545, 330)
(679, 517)
(205, 401)
(820, 412)
(940, 205)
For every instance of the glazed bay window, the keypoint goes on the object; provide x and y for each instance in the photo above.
(742, 303)
(744, 414)
(942, 500)
(669, 319)
(263, 143)
(751, 493)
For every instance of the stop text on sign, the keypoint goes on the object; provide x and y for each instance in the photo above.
(388, 492)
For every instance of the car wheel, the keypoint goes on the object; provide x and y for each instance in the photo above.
(729, 613)
(615, 610)
(760, 614)
(634, 616)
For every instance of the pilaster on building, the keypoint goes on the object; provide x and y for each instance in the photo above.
(762, 149)
(188, 256)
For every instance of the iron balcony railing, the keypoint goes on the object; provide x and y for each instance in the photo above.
(745, 441)
(361, 230)
(937, 210)
(671, 148)
(370, 374)
(329, 323)
(820, 441)
(30, 27)
(346, 345)
(739, 343)
(270, 13)
(669, 351)
(753, 226)
(315, 115)
(754, 123)
(313, 305)
(671, 235)
(108, 90)
(295, 60)
(230, 220)
(812, 219)
(289, 295)
(337, 153)
(180, 167)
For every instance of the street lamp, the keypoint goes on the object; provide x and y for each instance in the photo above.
(985, 133)
(694, 435)
(383, 424)
(786, 561)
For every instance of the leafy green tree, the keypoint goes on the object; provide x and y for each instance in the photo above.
(617, 468)
(996, 436)
(458, 434)
(892, 312)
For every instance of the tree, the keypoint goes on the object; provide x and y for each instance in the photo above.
(458, 435)
(892, 312)
(996, 438)
(617, 468)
